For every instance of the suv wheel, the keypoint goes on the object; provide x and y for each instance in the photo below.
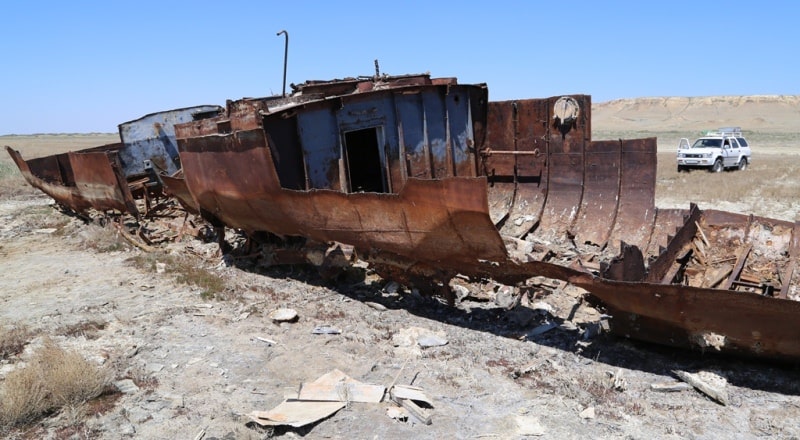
(743, 164)
(682, 168)
(717, 166)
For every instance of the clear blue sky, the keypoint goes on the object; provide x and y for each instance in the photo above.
(85, 66)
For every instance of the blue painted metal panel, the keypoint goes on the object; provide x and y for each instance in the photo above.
(461, 137)
(152, 138)
(436, 131)
(411, 120)
(358, 113)
(319, 138)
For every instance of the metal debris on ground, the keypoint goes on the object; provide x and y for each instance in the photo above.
(318, 400)
(326, 330)
(296, 413)
(414, 400)
(671, 387)
(338, 386)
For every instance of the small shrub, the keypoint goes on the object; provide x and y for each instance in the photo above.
(185, 271)
(87, 329)
(53, 379)
(13, 340)
(12, 183)
(102, 239)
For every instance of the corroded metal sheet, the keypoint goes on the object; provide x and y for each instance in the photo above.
(80, 181)
(500, 168)
(566, 169)
(150, 140)
(636, 212)
(516, 143)
(711, 320)
(667, 259)
(667, 222)
(176, 187)
(531, 164)
(430, 220)
(598, 208)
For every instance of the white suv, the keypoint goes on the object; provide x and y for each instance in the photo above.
(725, 148)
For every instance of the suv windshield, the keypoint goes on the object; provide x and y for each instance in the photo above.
(707, 143)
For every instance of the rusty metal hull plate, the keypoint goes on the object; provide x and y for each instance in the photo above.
(430, 220)
(80, 181)
(500, 168)
(517, 160)
(666, 223)
(566, 166)
(176, 187)
(600, 195)
(712, 320)
(636, 212)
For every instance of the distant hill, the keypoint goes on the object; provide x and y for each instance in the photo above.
(757, 113)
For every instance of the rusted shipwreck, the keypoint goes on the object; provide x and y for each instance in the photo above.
(426, 179)
(112, 177)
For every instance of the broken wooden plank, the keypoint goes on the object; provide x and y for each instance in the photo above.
(670, 387)
(699, 251)
(702, 235)
(296, 413)
(342, 392)
(422, 414)
(749, 278)
(337, 386)
(714, 391)
(413, 400)
(410, 392)
(716, 275)
(786, 280)
(737, 269)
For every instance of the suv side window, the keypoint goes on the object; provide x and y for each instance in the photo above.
(742, 141)
(734, 144)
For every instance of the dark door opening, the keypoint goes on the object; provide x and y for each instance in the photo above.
(364, 165)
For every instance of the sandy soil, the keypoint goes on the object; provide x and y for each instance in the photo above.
(200, 366)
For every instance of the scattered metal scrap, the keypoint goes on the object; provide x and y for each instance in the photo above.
(318, 400)
(426, 179)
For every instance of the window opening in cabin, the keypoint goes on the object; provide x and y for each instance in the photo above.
(364, 167)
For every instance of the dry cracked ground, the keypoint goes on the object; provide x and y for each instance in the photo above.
(191, 359)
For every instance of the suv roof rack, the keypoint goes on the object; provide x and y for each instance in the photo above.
(724, 131)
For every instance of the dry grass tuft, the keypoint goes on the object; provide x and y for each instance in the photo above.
(87, 329)
(13, 340)
(12, 184)
(769, 177)
(53, 379)
(43, 217)
(185, 271)
(102, 239)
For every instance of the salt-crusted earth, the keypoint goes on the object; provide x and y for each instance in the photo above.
(189, 366)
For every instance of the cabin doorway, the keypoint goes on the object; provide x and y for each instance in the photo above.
(364, 164)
